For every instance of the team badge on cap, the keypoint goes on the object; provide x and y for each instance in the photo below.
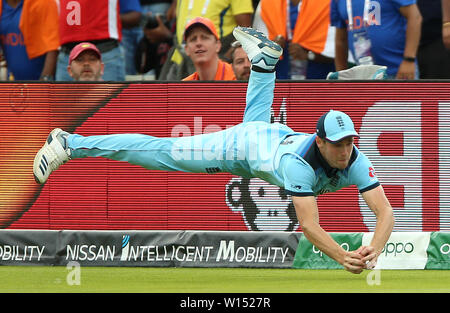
(335, 126)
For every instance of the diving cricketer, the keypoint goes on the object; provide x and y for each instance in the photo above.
(305, 165)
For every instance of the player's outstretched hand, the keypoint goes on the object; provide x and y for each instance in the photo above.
(353, 262)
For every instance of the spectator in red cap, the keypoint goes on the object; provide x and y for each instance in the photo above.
(85, 63)
(99, 22)
(203, 46)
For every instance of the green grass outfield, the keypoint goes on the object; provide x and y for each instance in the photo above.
(43, 279)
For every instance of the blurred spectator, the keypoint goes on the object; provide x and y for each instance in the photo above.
(3, 67)
(433, 57)
(239, 61)
(446, 23)
(157, 7)
(85, 63)
(203, 46)
(385, 32)
(29, 38)
(98, 22)
(130, 17)
(133, 37)
(225, 14)
(152, 50)
(303, 29)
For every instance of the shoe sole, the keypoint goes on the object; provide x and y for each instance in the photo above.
(40, 161)
(266, 46)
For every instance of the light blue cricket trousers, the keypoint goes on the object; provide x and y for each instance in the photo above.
(246, 149)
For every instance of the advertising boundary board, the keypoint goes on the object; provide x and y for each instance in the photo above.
(149, 248)
(404, 250)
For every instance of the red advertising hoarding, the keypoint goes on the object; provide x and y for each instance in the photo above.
(404, 128)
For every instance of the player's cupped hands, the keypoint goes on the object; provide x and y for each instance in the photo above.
(353, 262)
(363, 258)
(369, 256)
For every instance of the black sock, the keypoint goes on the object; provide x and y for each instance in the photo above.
(256, 68)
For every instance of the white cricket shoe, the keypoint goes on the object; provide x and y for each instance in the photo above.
(51, 156)
(261, 51)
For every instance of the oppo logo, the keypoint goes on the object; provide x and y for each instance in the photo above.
(344, 245)
(445, 248)
(392, 248)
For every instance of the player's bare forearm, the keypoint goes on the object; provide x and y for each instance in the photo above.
(307, 213)
(323, 241)
(379, 204)
(350, 260)
(383, 229)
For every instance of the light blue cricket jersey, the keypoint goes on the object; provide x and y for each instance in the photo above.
(292, 160)
(272, 152)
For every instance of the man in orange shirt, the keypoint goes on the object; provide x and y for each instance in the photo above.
(29, 38)
(203, 46)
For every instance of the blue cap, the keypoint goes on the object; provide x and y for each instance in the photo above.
(335, 126)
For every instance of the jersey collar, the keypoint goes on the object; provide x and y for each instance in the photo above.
(316, 160)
